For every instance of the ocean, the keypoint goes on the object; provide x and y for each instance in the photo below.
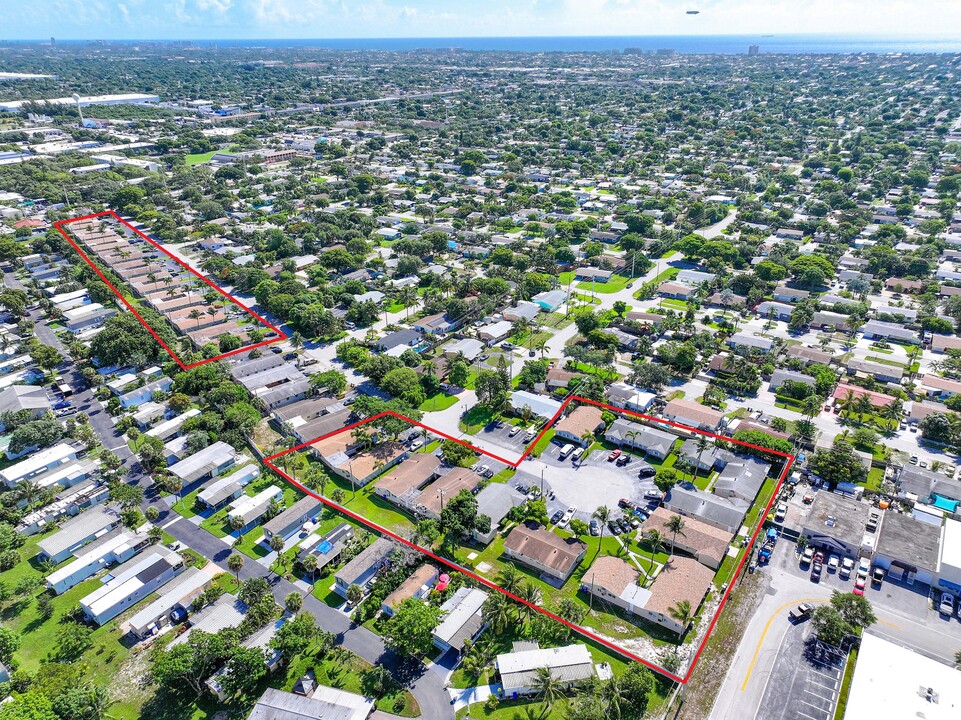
(684, 44)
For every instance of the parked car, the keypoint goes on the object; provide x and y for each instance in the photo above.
(568, 514)
(914, 459)
(807, 556)
(877, 577)
(653, 495)
(646, 472)
(529, 435)
(801, 612)
(859, 584)
(864, 567)
(816, 571)
(578, 454)
(624, 502)
(595, 527)
(514, 430)
(624, 525)
(565, 451)
(615, 454)
(847, 565)
(834, 563)
(946, 606)
(781, 512)
(623, 460)
(417, 444)
(614, 527)
(556, 517)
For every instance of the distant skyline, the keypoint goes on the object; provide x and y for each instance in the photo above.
(320, 19)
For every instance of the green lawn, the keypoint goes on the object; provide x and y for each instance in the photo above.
(199, 158)
(673, 304)
(541, 445)
(251, 546)
(475, 419)
(440, 401)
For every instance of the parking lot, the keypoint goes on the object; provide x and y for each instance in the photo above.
(804, 680)
(589, 484)
(501, 436)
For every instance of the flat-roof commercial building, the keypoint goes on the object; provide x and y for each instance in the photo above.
(569, 665)
(949, 561)
(836, 524)
(891, 681)
(908, 548)
(132, 583)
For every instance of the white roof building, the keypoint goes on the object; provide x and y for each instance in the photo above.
(891, 681)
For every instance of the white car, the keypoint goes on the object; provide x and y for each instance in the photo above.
(833, 563)
(923, 464)
(568, 514)
(864, 567)
(847, 565)
(417, 444)
(781, 512)
(514, 430)
(484, 471)
(807, 555)
(946, 606)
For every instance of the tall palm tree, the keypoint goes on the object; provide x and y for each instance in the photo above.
(529, 592)
(702, 444)
(864, 406)
(848, 402)
(602, 515)
(509, 579)
(310, 565)
(235, 564)
(195, 315)
(497, 613)
(615, 696)
(675, 526)
(811, 406)
(632, 436)
(541, 347)
(587, 437)
(547, 688)
(892, 411)
(683, 613)
(655, 540)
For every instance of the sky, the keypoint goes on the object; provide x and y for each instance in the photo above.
(270, 19)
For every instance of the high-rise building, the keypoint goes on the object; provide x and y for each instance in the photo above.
(753, 50)
(53, 41)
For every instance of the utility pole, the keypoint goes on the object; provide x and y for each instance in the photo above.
(542, 482)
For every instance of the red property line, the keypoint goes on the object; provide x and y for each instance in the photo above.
(269, 461)
(280, 334)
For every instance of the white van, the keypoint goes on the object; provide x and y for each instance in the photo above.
(577, 454)
(565, 451)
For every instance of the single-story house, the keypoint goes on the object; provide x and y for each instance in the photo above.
(569, 665)
(364, 567)
(653, 442)
(577, 424)
(541, 549)
(462, 619)
(692, 414)
(707, 543)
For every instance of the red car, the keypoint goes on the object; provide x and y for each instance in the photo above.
(859, 586)
(819, 557)
(614, 455)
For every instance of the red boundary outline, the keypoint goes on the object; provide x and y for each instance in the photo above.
(484, 581)
(280, 334)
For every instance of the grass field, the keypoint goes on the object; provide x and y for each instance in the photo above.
(199, 158)
(440, 401)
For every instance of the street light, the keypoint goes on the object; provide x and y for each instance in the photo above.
(542, 482)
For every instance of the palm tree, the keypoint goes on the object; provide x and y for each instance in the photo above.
(892, 411)
(864, 406)
(602, 515)
(811, 406)
(309, 564)
(614, 694)
(509, 579)
(530, 594)
(236, 563)
(541, 347)
(682, 613)
(587, 437)
(195, 315)
(848, 402)
(701, 444)
(497, 613)
(655, 540)
(632, 436)
(675, 525)
(547, 688)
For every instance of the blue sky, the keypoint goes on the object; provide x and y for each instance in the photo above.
(217, 19)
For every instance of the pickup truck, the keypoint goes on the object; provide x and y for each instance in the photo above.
(801, 612)
(877, 577)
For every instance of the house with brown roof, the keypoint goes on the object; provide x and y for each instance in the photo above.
(418, 585)
(708, 544)
(675, 290)
(431, 500)
(402, 484)
(539, 548)
(615, 581)
(942, 343)
(692, 414)
(340, 453)
(583, 419)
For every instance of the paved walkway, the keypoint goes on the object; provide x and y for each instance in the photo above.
(471, 696)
